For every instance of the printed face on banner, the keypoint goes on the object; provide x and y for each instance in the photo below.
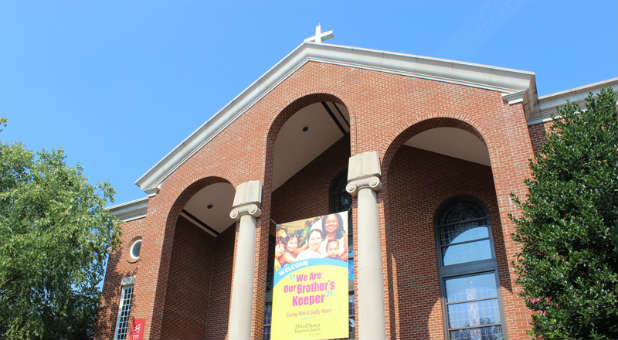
(310, 286)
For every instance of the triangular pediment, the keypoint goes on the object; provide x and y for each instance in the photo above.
(515, 85)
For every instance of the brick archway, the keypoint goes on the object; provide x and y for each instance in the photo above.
(416, 183)
(273, 205)
(420, 127)
(195, 292)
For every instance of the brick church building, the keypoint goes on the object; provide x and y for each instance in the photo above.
(423, 152)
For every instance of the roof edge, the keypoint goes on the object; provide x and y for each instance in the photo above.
(504, 80)
(548, 104)
(131, 210)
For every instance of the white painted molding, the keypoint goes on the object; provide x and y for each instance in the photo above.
(127, 280)
(514, 98)
(131, 210)
(152, 192)
(547, 105)
(504, 80)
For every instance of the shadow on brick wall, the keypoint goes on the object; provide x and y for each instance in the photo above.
(199, 284)
(418, 183)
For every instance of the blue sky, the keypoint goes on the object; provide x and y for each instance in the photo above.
(118, 84)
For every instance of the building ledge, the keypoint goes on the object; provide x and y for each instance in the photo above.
(131, 210)
(548, 105)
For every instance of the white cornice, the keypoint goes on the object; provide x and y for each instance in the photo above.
(506, 81)
(514, 98)
(130, 211)
(547, 105)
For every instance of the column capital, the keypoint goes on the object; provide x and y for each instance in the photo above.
(247, 200)
(364, 172)
(247, 209)
(371, 182)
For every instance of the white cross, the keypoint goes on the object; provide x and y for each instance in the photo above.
(319, 37)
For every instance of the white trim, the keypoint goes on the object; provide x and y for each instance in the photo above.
(133, 246)
(547, 105)
(541, 120)
(123, 292)
(514, 98)
(583, 88)
(131, 210)
(128, 280)
(481, 76)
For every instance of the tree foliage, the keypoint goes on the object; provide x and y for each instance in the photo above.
(54, 239)
(568, 263)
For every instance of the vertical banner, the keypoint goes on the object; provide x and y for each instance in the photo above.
(137, 329)
(310, 286)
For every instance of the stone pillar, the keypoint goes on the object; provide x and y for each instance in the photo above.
(364, 180)
(245, 209)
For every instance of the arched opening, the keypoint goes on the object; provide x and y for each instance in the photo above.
(200, 272)
(428, 164)
(307, 158)
(307, 134)
(471, 303)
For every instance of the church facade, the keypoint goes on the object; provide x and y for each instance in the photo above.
(424, 153)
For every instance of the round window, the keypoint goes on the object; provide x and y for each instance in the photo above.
(135, 249)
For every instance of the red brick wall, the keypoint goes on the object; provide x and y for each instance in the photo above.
(307, 193)
(220, 285)
(419, 183)
(120, 265)
(198, 294)
(537, 134)
(382, 109)
(187, 297)
(198, 291)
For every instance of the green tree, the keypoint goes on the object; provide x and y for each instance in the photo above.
(54, 239)
(568, 263)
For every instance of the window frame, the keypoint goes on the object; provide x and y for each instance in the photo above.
(132, 248)
(468, 268)
(124, 289)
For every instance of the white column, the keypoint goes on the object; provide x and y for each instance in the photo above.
(245, 209)
(364, 180)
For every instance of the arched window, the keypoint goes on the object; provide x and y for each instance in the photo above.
(340, 199)
(468, 271)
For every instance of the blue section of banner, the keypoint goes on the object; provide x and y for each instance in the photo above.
(290, 268)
